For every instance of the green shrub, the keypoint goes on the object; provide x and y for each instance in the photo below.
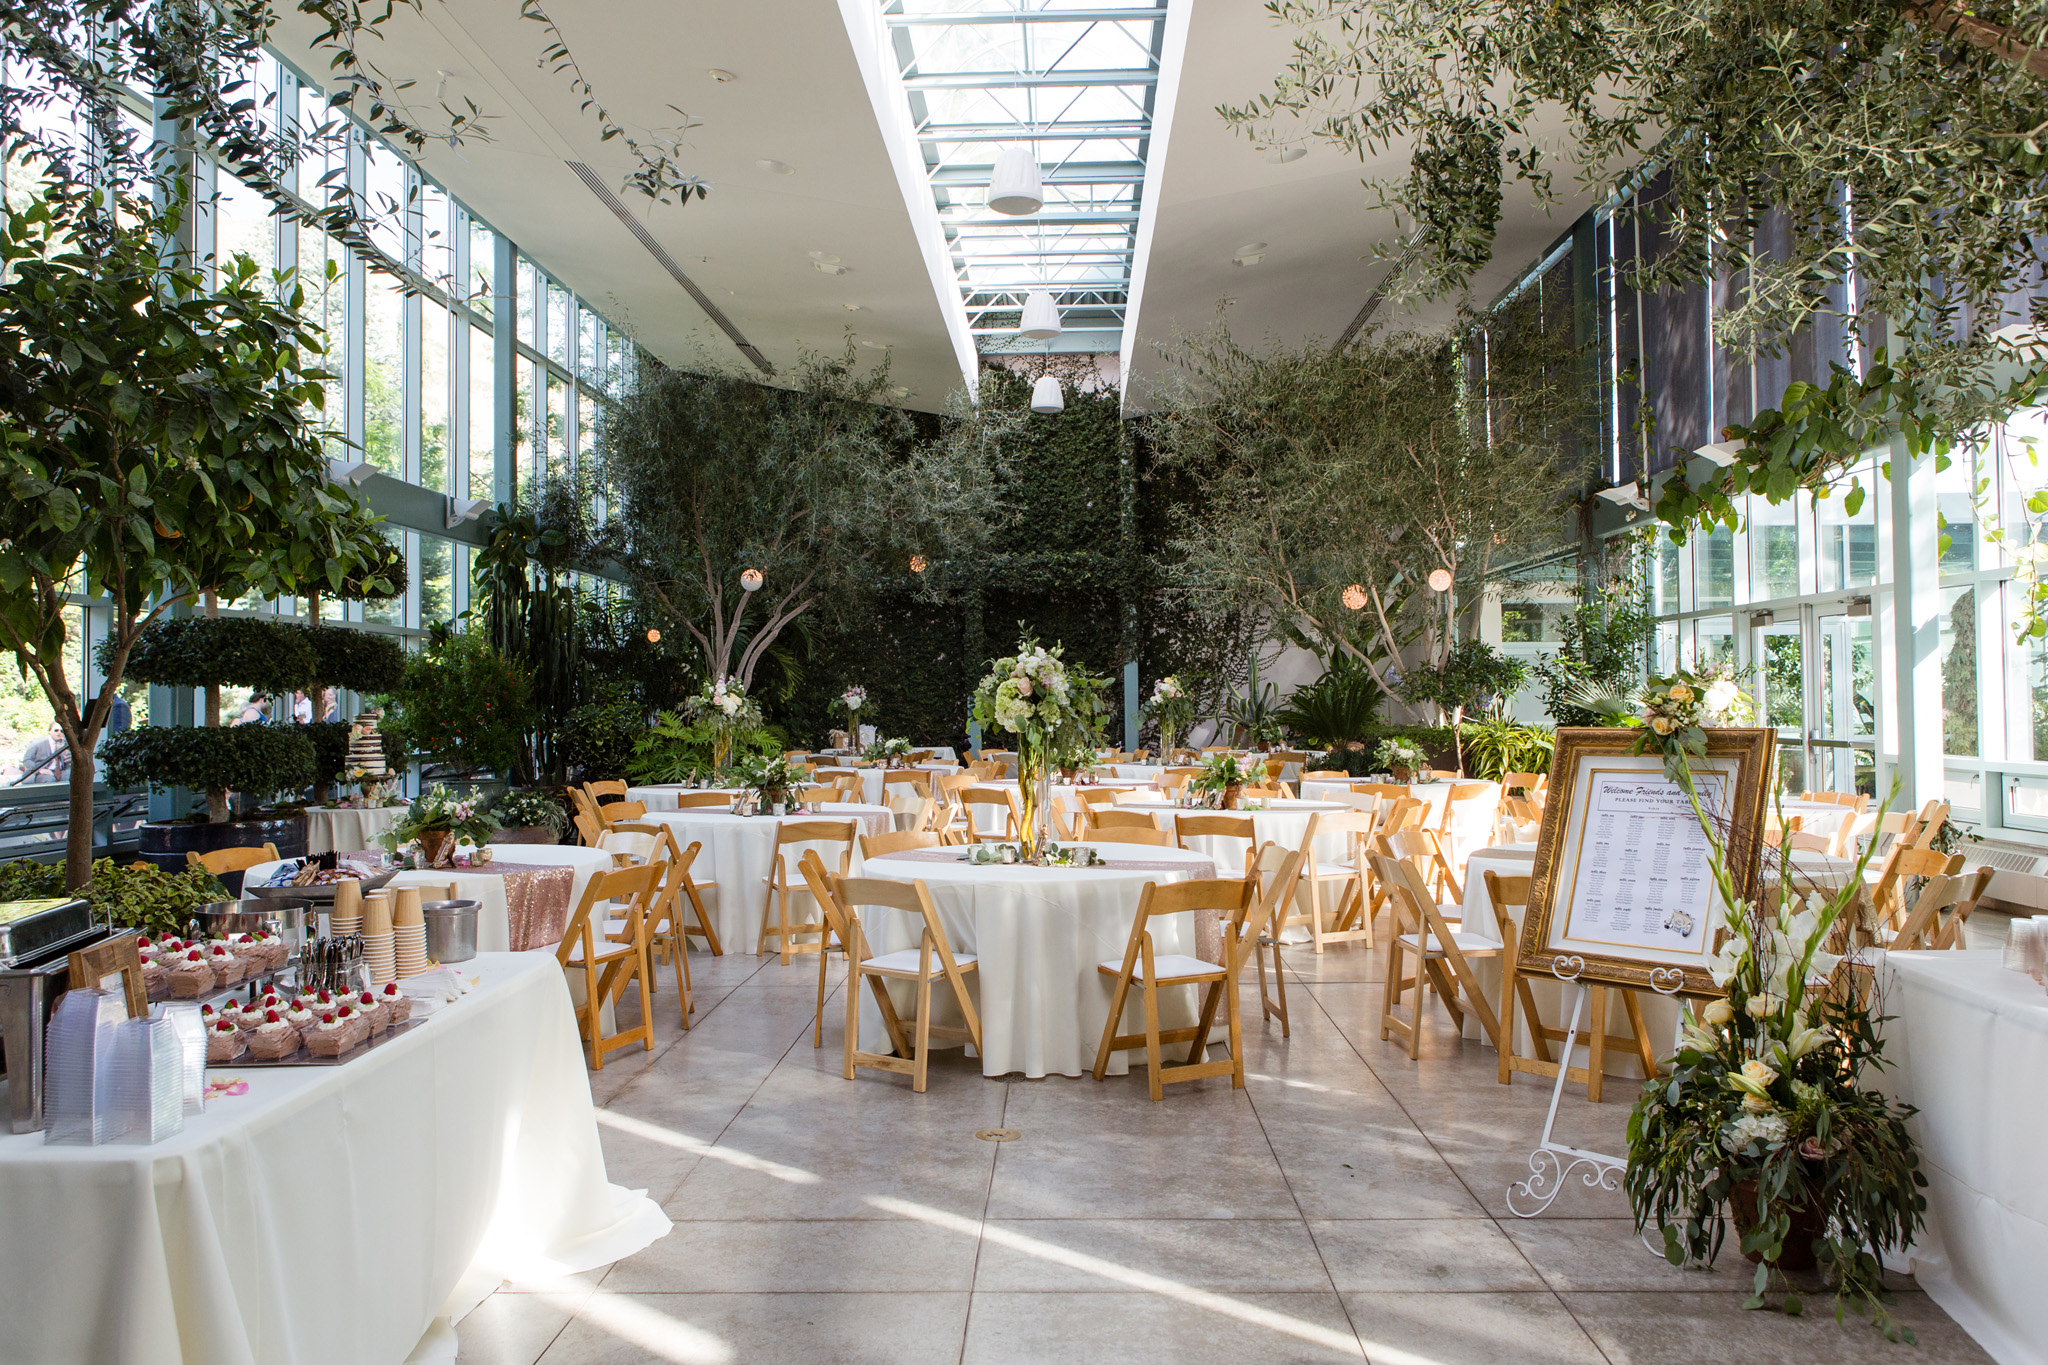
(234, 651)
(259, 761)
(526, 807)
(1334, 709)
(462, 705)
(330, 747)
(598, 741)
(359, 660)
(675, 750)
(145, 898)
(1496, 746)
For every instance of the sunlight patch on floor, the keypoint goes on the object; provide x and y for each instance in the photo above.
(669, 1137)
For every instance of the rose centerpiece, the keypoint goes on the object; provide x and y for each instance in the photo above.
(1050, 707)
(854, 700)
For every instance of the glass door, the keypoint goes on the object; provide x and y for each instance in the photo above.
(1779, 654)
(1843, 739)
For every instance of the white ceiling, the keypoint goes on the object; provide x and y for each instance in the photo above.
(812, 91)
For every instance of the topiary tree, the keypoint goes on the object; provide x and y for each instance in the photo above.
(209, 651)
(1472, 675)
(256, 760)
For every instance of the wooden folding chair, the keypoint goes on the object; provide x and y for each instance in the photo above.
(1186, 827)
(1150, 970)
(1278, 872)
(1424, 849)
(1467, 822)
(589, 829)
(1148, 834)
(664, 916)
(1005, 803)
(1524, 782)
(1342, 915)
(1503, 892)
(882, 845)
(1393, 791)
(1442, 959)
(622, 812)
(598, 791)
(784, 884)
(1949, 935)
(931, 960)
(703, 800)
(606, 974)
(231, 859)
(1925, 919)
(1325, 775)
(690, 888)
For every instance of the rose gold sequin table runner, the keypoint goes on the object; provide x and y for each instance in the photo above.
(537, 897)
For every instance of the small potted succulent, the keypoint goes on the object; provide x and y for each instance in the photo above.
(440, 820)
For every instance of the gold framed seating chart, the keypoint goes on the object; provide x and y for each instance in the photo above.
(1622, 893)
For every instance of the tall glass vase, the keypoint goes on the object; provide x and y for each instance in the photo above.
(1034, 790)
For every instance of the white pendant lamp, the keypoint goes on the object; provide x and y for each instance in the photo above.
(1045, 395)
(1014, 186)
(1041, 318)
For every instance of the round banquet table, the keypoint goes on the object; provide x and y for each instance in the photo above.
(1038, 934)
(989, 819)
(1281, 821)
(738, 852)
(326, 1215)
(1660, 1012)
(329, 828)
(663, 795)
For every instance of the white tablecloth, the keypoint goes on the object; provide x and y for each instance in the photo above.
(493, 916)
(739, 851)
(1039, 933)
(328, 1214)
(663, 796)
(1431, 794)
(1281, 822)
(331, 828)
(1968, 1044)
(1660, 1013)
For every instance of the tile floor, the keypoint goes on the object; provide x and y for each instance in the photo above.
(1348, 1202)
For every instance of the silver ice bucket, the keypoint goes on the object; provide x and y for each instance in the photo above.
(451, 930)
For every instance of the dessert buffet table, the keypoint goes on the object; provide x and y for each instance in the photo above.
(342, 828)
(1968, 1044)
(1039, 933)
(325, 1214)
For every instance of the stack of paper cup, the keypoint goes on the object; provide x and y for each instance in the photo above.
(347, 915)
(378, 952)
(409, 933)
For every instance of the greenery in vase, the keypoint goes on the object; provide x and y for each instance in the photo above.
(528, 808)
(440, 811)
(724, 710)
(773, 778)
(1395, 753)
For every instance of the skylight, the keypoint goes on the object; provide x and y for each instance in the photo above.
(1075, 81)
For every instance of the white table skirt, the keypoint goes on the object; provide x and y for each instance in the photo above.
(340, 828)
(1040, 933)
(1660, 1013)
(663, 796)
(493, 916)
(739, 851)
(1968, 1044)
(329, 1214)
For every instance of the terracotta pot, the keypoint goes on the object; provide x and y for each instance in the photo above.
(1402, 774)
(1231, 796)
(1808, 1223)
(437, 846)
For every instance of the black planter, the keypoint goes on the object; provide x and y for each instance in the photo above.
(166, 845)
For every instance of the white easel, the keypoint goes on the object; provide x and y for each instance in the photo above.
(1553, 1162)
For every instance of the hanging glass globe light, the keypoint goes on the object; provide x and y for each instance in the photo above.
(1354, 597)
(750, 580)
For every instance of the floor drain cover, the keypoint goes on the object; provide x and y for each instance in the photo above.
(999, 1135)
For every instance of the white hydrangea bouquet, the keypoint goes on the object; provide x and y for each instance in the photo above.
(723, 707)
(1049, 707)
(1173, 710)
(855, 700)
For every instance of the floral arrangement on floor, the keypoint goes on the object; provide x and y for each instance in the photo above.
(1764, 1110)
(1050, 707)
(1399, 753)
(439, 820)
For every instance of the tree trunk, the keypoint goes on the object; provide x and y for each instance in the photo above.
(216, 805)
(212, 688)
(78, 831)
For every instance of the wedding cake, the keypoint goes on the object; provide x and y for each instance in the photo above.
(366, 750)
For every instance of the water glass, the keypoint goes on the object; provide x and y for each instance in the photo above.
(2017, 938)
